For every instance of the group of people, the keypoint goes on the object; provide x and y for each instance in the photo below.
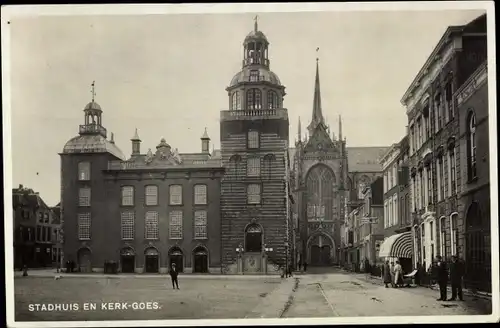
(454, 274)
(440, 273)
(393, 274)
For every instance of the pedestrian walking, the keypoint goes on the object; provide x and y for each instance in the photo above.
(456, 275)
(398, 274)
(386, 270)
(441, 275)
(305, 266)
(173, 275)
(290, 270)
(300, 265)
(393, 282)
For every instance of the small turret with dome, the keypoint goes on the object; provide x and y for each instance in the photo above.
(255, 86)
(92, 136)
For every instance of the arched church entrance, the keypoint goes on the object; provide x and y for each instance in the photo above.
(321, 250)
(253, 239)
(84, 256)
(477, 246)
(200, 260)
(152, 260)
(127, 260)
(175, 255)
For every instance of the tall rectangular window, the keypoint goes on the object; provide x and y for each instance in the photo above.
(151, 195)
(419, 129)
(396, 218)
(453, 186)
(253, 166)
(84, 196)
(200, 194)
(151, 230)
(449, 100)
(127, 196)
(175, 225)
(412, 139)
(84, 171)
(442, 237)
(200, 224)
(422, 190)
(442, 184)
(439, 178)
(439, 114)
(84, 226)
(253, 194)
(429, 185)
(253, 139)
(128, 225)
(175, 195)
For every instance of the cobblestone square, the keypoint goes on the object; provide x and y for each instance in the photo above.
(196, 298)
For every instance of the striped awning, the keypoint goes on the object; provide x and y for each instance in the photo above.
(399, 245)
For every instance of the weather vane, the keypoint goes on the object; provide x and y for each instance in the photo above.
(256, 21)
(93, 91)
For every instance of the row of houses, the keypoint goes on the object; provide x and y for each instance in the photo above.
(37, 230)
(434, 189)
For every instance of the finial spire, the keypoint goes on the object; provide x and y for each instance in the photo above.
(317, 54)
(300, 130)
(256, 24)
(317, 115)
(136, 136)
(340, 127)
(112, 138)
(205, 134)
(93, 90)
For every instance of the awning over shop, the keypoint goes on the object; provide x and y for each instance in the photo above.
(399, 245)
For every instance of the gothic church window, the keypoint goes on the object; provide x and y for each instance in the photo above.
(320, 196)
(254, 99)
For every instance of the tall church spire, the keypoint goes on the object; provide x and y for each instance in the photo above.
(317, 114)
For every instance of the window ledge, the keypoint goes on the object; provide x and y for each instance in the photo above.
(472, 180)
(126, 205)
(200, 238)
(176, 204)
(175, 238)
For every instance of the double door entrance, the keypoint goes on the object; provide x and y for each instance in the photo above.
(320, 255)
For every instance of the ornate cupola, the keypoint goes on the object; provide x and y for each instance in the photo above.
(93, 118)
(205, 142)
(255, 87)
(163, 149)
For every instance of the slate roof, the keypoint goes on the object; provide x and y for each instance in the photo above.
(365, 159)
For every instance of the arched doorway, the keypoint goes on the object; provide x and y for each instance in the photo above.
(478, 252)
(151, 260)
(321, 250)
(84, 260)
(127, 260)
(200, 260)
(253, 238)
(176, 256)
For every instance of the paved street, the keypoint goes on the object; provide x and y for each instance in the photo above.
(349, 295)
(326, 294)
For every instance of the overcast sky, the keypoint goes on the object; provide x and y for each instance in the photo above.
(167, 74)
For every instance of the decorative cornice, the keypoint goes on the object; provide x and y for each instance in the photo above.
(475, 81)
(441, 54)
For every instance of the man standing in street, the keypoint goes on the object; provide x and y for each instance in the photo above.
(441, 277)
(456, 274)
(173, 274)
